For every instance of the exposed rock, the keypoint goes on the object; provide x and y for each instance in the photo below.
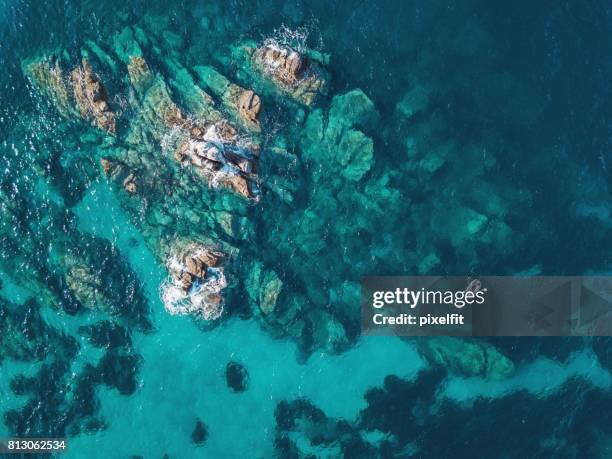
(283, 63)
(249, 106)
(91, 97)
(195, 282)
(219, 160)
(239, 184)
(237, 377)
(195, 266)
(129, 184)
(106, 166)
(296, 74)
(192, 263)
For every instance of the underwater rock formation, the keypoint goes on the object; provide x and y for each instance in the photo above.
(91, 97)
(200, 433)
(244, 104)
(236, 376)
(100, 279)
(196, 281)
(23, 333)
(264, 288)
(304, 430)
(47, 75)
(468, 358)
(83, 92)
(196, 152)
(335, 141)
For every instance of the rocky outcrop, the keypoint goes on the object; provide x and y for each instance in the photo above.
(196, 281)
(243, 103)
(216, 157)
(296, 74)
(82, 93)
(282, 62)
(249, 106)
(91, 97)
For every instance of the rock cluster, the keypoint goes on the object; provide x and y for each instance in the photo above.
(299, 76)
(216, 156)
(91, 97)
(196, 281)
(282, 62)
(83, 92)
(192, 265)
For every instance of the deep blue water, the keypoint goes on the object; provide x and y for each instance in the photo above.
(491, 133)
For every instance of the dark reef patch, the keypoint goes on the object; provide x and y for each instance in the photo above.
(411, 420)
(107, 334)
(237, 377)
(200, 433)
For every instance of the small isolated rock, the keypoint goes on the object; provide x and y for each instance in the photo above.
(237, 377)
(249, 106)
(200, 433)
(106, 166)
(129, 184)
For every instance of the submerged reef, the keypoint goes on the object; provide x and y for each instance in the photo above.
(178, 177)
(253, 182)
(221, 191)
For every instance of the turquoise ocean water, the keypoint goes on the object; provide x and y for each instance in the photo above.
(449, 138)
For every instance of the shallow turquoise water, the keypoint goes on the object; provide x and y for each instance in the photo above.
(454, 138)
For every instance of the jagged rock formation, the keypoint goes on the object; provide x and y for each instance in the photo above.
(215, 156)
(83, 92)
(299, 76)
(196, 281)
(91, 97)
